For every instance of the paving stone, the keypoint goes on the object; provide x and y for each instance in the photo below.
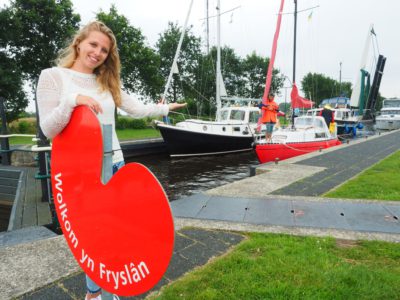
(198, 254)
(270, 212)
(25, 235)
(157, 287)
(52, 292)
(189, 207)
(181, 242)
(204, 236)
(393, 209)
(369, 217)
(319, 215)
(224, 208)
(75, 285)
(178, 266)
(210, 239)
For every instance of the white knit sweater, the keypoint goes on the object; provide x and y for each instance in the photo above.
(56, 95)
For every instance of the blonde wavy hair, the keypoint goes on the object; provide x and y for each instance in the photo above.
(108, 73)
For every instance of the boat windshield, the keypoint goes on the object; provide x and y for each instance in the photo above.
(237, 115)
(308, 121)
(224, 115)
(391, 103)
(390, 112)
(254, 116)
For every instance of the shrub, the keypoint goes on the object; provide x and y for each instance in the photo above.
(125, 123)
(23, 126)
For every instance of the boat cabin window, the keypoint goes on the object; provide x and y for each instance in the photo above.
(303, 121)
(391, 103)
(224, 115)
(390, 112)
(237, 115)
(319, 122)
(254, 116)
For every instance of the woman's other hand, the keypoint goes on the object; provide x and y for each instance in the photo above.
(174, 106)
(93, 104)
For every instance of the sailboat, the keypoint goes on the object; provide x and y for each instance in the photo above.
(307, 133)
(233, 128)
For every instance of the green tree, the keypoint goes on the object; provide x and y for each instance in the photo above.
(188, 60)
(254, 73)
(318, 87)
(33, 31)
(11, 87)
(139, 63)
(231, 66)
(40, 28)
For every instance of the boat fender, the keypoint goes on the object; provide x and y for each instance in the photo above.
(354, 131)
(360, 126)
(346, 128)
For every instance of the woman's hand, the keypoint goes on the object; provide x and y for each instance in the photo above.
(174, 106)
(86, 100)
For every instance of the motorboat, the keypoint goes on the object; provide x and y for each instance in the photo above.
(347, 119)
(389, 116)
(308, 134)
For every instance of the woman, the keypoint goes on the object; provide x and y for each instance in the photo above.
(88, 73)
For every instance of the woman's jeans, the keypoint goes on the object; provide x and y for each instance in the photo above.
(91, 286)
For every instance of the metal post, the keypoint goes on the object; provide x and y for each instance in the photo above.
(5, 145)
(106, 174)
(44, 168)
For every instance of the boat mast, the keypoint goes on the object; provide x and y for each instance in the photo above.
(294, 52)
(218, 71)
(294, 41)
(207, 29)
(174, 68)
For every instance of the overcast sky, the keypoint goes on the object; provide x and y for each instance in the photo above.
(335, 33)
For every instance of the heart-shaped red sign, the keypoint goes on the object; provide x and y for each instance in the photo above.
(121, 233)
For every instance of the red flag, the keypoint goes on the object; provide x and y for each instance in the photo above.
(297, 101)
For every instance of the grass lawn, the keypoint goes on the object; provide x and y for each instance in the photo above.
(378, 182)
(20, 140)
(272, 266)
(132, 134)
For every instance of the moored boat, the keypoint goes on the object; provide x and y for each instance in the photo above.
(389, 116)
(233, 132)
(309, 133)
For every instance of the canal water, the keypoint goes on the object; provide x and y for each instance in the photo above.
(186, 176)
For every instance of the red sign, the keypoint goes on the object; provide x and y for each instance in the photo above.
(121, 233)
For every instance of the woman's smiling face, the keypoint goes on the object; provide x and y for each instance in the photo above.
(92, 52)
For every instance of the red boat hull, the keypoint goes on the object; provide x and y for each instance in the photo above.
(272, 152)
